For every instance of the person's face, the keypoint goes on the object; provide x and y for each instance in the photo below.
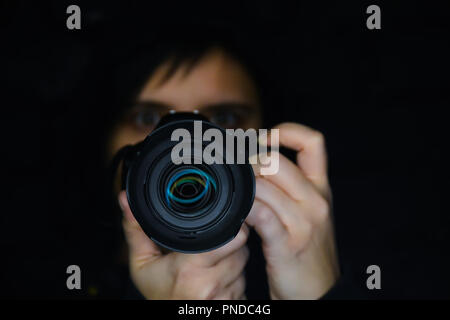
(217, 86)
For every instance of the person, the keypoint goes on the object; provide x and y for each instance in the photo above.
(291, 213)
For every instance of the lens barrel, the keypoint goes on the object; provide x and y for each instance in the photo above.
(188, 207)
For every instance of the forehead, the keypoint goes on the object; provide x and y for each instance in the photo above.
(216, 78)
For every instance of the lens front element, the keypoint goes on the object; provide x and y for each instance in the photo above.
(190, 189)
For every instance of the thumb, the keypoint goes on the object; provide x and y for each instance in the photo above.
(141, 249)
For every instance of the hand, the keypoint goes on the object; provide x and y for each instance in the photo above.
(291, 213)
(217, 274)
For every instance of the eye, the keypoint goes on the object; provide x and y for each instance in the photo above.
(145, 119)
(226, 118)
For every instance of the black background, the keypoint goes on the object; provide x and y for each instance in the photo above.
(379, 96)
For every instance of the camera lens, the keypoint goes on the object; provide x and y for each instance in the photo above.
(190, 206)
(189, 189)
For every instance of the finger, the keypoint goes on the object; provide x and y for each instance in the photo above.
(272, 232)
(290, 179)
(141, 248)
(296, 220)
(310, 145)
(281, 204)
(276, 238)
(210, 258)
(231, 267)
(265, 222)
(234, 291)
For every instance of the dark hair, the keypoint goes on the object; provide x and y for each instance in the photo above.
(185, 46)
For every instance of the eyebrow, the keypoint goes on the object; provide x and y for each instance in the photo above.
(153, 104)
(215, 106)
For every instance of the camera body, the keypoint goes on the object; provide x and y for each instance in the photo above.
(187, 207)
